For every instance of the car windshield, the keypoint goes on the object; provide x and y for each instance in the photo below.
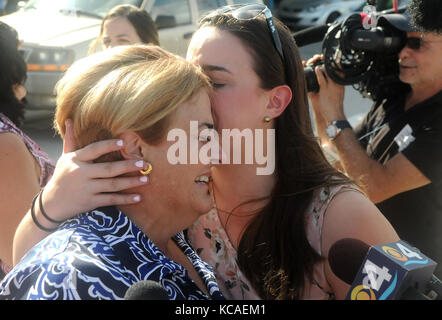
(97, 8)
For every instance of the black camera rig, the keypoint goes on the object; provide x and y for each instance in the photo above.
(363, 53)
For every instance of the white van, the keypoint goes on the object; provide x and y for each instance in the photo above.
(56, 33)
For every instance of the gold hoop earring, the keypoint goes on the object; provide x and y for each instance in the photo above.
(267, 119)
(148, 170)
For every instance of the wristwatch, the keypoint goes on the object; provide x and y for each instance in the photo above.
(335, 128)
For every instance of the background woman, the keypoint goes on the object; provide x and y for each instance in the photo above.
(24, 167)
(125, 25)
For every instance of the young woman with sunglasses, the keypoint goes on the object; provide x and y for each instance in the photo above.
(269, 235)
(397, 148)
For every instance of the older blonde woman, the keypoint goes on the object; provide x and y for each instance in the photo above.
(136, 95)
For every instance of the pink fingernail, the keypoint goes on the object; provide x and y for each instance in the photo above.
(137, 198)
(139, 164)
(120, 143)
(144, 179)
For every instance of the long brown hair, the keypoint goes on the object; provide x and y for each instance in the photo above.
(13, 72)
(274, 252)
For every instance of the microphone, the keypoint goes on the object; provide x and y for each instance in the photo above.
(385, 272)
(310, 35)
(146, 290)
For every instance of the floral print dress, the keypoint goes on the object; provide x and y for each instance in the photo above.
(213, 245)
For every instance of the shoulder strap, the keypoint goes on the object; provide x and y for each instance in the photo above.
(316, 217)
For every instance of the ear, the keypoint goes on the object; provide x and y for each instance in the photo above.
(279, 98)
(19, 91)
(132, 145)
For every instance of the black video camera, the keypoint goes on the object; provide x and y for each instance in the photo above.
(362, 53)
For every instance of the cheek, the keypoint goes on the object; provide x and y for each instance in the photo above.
(169, 185)
(422, 72)
(222, 109)
(431, 70)
(235, 109)
(134, 38)
(182, 194)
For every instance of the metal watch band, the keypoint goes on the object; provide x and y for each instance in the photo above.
(342, 124)
(338, 125)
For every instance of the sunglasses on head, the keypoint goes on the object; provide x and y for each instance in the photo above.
(251, 11)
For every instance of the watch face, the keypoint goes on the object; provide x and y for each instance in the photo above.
(331, 131)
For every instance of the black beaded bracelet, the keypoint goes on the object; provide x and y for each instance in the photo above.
(34, 218)
(43, 212)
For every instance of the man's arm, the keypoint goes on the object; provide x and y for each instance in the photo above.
(379, 181)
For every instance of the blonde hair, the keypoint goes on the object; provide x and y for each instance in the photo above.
(127, 88)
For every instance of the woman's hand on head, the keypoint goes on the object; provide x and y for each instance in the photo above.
(79, 185)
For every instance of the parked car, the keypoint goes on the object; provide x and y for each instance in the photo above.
(56, 33)
(387, 5)
(298, 14)
(9, 6)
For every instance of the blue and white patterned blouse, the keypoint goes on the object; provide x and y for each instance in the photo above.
(99, 255)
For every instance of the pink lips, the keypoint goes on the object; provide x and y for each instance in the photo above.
(407, 67)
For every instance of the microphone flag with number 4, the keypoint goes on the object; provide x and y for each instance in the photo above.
(389, 269)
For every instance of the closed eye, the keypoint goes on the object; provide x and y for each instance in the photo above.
(217, 85)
